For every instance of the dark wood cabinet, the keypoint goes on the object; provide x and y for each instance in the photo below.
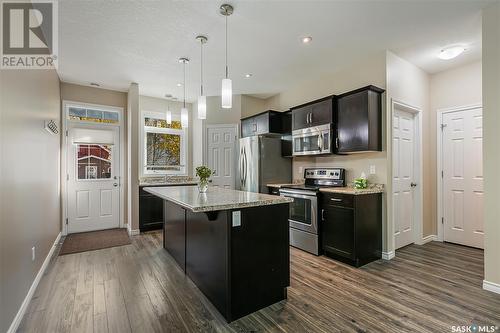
(359, 121)
(268, 122)
(315, 113)
(150, 211)
(273, 190)
(351, 227)
(174, 232)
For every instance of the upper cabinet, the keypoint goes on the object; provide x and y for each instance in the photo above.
(268, 122)
(313, 114)
(359, 121)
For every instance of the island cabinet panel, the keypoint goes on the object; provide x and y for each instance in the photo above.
(260, 271)
(207, 253)
(174, 232)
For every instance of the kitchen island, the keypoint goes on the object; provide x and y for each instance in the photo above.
(233, 245)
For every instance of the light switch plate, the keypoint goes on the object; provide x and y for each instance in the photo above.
(372, 169)
(237, 218)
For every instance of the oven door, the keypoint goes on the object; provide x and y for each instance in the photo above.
(303, 210)
(312, 141)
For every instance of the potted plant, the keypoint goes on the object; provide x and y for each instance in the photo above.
(204, 174)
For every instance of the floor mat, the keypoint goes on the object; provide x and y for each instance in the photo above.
(94, 240)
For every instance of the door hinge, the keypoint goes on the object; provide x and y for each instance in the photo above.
(66, 221)
(66, 132)
(442, 174)
(442, 220)
(443, 126)
(67, 176)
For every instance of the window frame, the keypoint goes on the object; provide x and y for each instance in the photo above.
(151, 129)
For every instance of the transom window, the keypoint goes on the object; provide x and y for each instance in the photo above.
(93, 115)
(165, 145)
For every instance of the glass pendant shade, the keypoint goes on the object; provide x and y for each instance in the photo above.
(227, 94)
(202, 107)
(184, 118)
(169, 117)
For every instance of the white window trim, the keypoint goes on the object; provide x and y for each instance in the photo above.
(149, 129)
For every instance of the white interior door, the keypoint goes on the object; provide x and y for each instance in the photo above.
(93, 166)
(403, 177)
(462, 160)
(221, 146)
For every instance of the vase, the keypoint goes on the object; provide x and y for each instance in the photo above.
(203, 186)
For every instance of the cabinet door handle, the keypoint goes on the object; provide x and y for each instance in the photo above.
(254, 127)
(337, 142)
(311, 117)
(336, 199)
(322, 215)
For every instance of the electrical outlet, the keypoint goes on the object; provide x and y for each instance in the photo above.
(372, 170)
(33, 253)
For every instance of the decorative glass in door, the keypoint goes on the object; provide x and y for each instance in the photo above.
(93, 161)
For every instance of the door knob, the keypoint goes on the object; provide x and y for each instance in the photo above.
(115, 184)
(413, 184)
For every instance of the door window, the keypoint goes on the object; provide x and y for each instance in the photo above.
(93, 161)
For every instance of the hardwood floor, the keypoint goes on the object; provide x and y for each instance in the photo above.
(139, 288)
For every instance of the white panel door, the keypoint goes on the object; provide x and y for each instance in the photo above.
(93, 183)
(462, 161)
(221, 145)
(403, 177)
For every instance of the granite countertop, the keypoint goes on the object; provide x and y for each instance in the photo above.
(216, 198)
(278, 185)
(371, 189)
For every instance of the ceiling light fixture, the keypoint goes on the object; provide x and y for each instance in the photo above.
(169, 114)
(227, 85)
(202, 100)
(307, 39)
(248, 75)
(184, 110)
(179, 84)
(451, 52)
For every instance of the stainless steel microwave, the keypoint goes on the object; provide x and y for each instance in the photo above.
(313, 140)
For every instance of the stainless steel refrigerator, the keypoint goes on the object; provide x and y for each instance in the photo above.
(261, 163)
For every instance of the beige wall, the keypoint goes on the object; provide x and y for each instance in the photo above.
(252, 105)
(154, 104)
(92, 95)
(453, 88)
(408, 84)
(491, 140)
(218, 115)
(30, 212)
(133, 115)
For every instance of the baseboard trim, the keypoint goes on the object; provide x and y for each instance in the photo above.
(388, 255)
(428, 239)
(491, 286)
(24, 306)
(133, 232)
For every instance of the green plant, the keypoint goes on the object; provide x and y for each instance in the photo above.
(360, 183)
(203, 172)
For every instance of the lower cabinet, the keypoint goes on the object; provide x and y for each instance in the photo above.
(273, 190)
(150, 211)
(351, 227)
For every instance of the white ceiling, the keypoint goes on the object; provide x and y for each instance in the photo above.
(115, 43)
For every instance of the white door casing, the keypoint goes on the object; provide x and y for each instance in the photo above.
(93, 190)
(221, 154)
(462, 177)
(403, 173)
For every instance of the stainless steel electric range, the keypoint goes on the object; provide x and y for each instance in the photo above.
(304, 211)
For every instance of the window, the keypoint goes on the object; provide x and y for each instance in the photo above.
(93, 115)
(165, 146)
(93, 161)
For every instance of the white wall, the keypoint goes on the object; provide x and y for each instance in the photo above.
(30, 211)
(133, 114)
(453, 88)
(408, 84)
(491, 140)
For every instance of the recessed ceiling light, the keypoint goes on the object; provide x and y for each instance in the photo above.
(95, 84)
(248, 75)
(307, 39)
(179, 84)
(451, 52)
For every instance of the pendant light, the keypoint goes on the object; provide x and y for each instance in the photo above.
(227, 85)
(184, 110)
(202, 100)
(169, 114)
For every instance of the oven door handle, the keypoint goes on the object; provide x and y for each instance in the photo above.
(298, 193)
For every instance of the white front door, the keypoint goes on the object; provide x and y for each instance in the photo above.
(462, 160)
(221, 146)
(403, 177)
(93, 165)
